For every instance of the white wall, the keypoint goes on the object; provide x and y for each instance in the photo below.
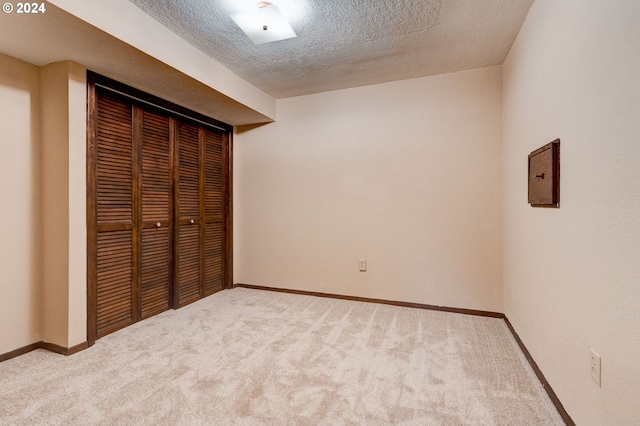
(572, 274)
(20, 208)
(405, 174)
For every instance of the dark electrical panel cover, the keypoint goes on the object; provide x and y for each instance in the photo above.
(544, 176)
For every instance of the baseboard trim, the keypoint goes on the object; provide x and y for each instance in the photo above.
(380, 301)
(20, 351)
(51, 347)
(77, 348)
(545, 384)
(543, 380)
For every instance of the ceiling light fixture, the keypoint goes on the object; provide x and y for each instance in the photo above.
(264, 25)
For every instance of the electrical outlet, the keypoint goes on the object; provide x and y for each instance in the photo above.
(596, 368)
(362, 265)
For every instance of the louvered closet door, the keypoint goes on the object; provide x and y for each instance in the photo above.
(214, 143)
(115, 216)
(133, 209)
(155, 245)
(187, 247)
(158, 202)
(199, 250)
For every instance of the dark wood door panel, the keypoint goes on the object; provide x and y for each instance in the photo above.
(114, 281)
(214, 196)
(188, 172)
(188, 222)
(114, 215)
(213, 258)
(156, 273)
(114, 163)
(155, 227)
(188, 264)
(214, 203)
(133, 195)
(155, 168)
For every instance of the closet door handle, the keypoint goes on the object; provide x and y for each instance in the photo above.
(192, 221)
(158, 224)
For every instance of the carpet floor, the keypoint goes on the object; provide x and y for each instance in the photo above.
(252, 357)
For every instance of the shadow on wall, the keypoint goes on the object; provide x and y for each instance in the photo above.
(247, 128)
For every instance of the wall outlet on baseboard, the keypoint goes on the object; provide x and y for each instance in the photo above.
(362, 265)
(596, 368)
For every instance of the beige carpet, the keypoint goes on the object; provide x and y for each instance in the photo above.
(251, 357)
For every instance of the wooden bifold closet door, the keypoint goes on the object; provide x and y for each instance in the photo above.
(154, 185)
(199, 247)
(158, 203)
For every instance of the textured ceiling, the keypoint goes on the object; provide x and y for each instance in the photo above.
(348, 43)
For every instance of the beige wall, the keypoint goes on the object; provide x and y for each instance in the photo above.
(43, 215)
(571, 274)
(77, 248)
(405, 174)
(20, 209)
(63, 90)
(55, 169)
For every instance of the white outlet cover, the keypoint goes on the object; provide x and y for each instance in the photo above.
(362, 265)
